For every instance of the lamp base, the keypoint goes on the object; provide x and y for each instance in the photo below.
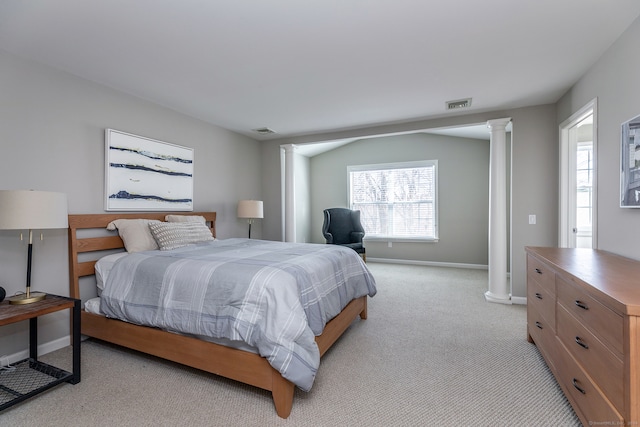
(27, 298)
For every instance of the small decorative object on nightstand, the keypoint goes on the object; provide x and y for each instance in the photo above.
(3, 293)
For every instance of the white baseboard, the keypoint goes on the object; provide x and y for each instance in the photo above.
(44, 348)
(519, 300)
(430, 263)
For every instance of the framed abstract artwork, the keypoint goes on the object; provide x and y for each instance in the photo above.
(630, 164)
(143, 174)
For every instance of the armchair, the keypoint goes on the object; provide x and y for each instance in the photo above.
(342, 227)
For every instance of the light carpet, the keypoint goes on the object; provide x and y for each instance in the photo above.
(431, 353)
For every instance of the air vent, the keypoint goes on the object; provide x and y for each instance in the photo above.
(264, 131)
(460, 103)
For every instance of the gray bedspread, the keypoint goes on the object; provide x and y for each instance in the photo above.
(273, 296)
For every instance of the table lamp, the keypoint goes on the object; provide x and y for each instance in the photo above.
(250, 209)
(31, 210)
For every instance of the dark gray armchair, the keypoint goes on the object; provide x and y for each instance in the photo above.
(342, 227)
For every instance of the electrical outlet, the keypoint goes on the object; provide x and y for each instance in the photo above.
(4, 361)
(390, 244)
(532, 219)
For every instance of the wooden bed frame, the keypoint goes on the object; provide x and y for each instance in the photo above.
(239, 365)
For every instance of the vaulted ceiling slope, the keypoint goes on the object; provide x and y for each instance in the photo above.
(304, 67)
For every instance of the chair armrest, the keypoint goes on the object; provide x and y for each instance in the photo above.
(328, 237)
(357, 236)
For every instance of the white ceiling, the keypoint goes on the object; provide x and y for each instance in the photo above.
(304, 67)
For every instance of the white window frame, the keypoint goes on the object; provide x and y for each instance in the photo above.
(400, 165)
(586, 146)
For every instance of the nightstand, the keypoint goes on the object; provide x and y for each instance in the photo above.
(31, 376)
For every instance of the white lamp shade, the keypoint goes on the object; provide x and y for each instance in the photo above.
(32, 210)
(250, 209)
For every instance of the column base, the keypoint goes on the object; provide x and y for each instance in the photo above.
(499, 299)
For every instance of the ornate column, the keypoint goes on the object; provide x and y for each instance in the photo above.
(289, 194)
(498, 287)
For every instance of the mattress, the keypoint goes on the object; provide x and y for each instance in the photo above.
(93, 306)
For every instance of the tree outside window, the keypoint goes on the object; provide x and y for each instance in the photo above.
(396, 200)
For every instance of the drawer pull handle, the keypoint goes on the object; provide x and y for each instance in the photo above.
(582, 343)
(581, 304)
(538, 295)
(538, 271)
(539, 325)
(576, 384)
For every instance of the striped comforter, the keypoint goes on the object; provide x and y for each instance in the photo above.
(273, 296)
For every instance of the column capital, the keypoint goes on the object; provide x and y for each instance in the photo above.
(498, 124)
(289, 148)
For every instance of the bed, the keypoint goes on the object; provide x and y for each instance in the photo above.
(87, 243)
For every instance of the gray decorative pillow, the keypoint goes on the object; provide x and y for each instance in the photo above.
(185, 218)
(135, 234)
(173, 235)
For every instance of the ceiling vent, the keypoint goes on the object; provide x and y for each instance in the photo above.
(460, 103)
(264, 131)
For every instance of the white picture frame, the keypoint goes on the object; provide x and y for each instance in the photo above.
(143, 174)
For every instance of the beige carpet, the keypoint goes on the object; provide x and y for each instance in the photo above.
(432, 353)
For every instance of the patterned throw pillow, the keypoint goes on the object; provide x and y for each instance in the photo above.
(185, 218)
(173, 235)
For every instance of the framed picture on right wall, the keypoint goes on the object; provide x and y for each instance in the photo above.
(630, 164)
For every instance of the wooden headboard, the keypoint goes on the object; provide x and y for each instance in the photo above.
(82, 245)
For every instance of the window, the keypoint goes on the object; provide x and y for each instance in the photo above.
(584, 187)
(396, 200)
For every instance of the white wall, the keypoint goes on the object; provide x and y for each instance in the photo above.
(52, 138)
(614, 81)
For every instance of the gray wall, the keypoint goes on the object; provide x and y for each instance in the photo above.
(463, 193)
(534, 183)
(52, 138)
(614, 81)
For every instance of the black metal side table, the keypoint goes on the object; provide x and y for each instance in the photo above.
(30, 377)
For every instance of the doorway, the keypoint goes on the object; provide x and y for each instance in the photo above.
(577, 179)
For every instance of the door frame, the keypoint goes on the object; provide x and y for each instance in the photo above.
(564, 167)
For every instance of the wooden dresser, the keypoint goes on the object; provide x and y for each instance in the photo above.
(583, 314)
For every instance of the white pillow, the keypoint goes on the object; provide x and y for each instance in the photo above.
(173, 235)
(92, 306)
(135, 234)
(185, 218)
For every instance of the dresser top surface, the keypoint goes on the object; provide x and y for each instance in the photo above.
(615, 277)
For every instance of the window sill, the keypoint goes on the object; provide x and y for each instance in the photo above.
(401, 239)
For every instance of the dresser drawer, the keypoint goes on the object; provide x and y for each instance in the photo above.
(542, 301)
(543, 336)
(592, 406)
(541, 273)
(600, 320)
(594, 357)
